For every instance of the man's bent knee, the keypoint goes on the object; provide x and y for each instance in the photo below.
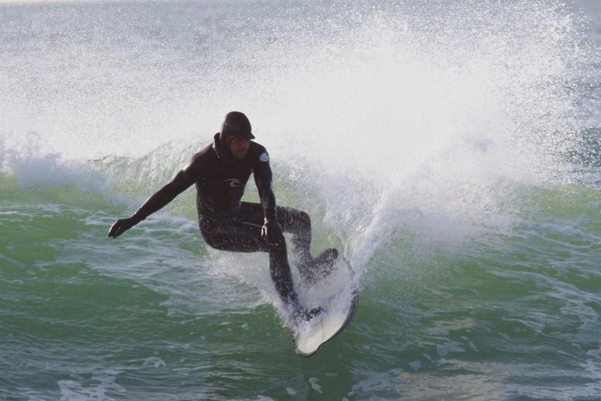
(213, 241)
(304, 219)
(300, 222)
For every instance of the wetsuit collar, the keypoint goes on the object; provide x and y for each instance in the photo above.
(224, 155)
(221, 153)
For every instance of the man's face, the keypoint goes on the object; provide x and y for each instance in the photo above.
(239, 147)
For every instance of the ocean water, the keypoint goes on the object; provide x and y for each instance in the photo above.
(450, 150)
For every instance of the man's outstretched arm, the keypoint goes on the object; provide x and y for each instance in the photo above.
(180, 182)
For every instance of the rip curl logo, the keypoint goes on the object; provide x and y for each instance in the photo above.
(234, 183)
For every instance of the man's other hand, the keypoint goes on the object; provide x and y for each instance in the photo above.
(272, 232)
(121, 226)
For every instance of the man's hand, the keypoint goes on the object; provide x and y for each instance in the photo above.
(272, 232)
(121, 226)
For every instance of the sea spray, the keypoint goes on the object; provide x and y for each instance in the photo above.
(397, 120)
(430, 142)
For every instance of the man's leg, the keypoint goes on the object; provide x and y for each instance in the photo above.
(236, 236)
(297, 223)
(290, 220)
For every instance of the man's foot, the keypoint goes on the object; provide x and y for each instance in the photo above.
(325, 260)
(303, 315)
(312, 270)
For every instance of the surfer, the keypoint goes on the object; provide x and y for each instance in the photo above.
(220, 172)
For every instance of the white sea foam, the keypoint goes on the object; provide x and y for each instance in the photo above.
(73, 390)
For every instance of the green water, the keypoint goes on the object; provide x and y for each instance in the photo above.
(150, 316)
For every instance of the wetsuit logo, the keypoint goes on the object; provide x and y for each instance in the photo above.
(234, 183)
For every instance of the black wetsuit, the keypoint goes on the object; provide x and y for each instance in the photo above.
(228, 224)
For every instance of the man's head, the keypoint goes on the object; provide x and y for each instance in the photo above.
(236, 134)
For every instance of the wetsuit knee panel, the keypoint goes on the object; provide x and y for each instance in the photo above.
(304, 219)
(209, 232)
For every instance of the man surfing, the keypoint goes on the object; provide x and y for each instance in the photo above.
(220, 172)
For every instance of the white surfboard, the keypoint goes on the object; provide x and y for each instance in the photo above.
(338, 295)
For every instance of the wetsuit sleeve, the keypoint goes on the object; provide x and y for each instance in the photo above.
(178, 184)
(263, 179)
